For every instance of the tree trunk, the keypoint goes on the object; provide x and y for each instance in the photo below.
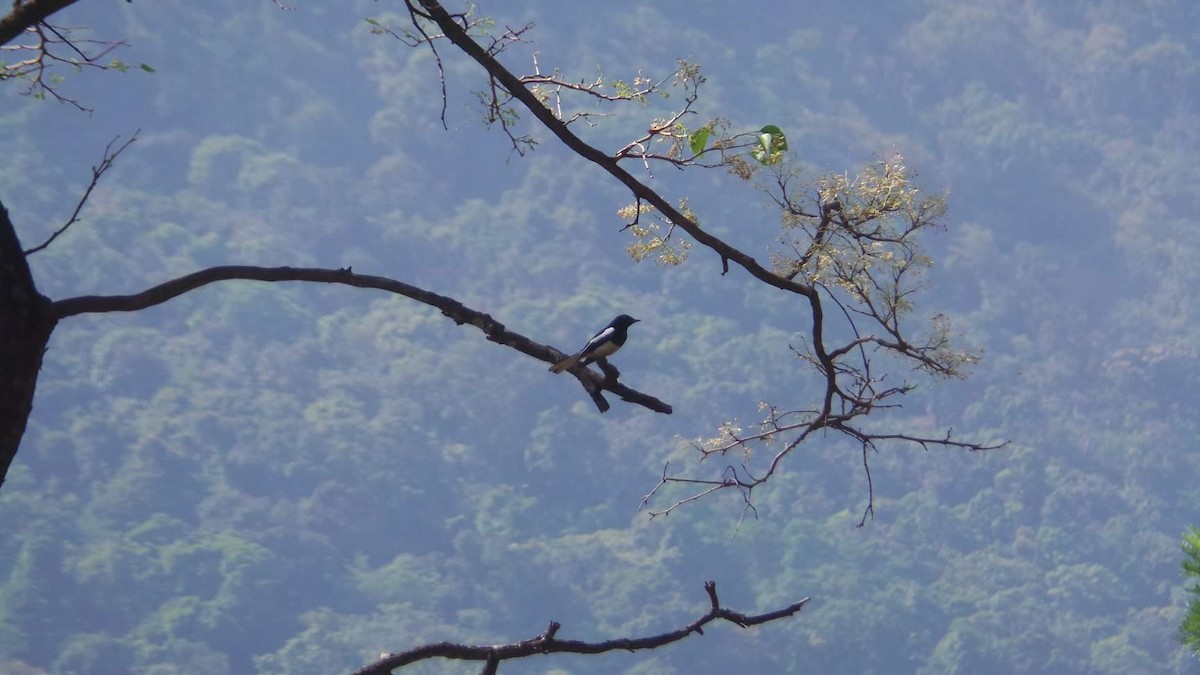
(26, 321)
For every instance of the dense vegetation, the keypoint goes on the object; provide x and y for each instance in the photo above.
(1190, 630)
(294, 479)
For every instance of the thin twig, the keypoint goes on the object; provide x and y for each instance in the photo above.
(98, 170)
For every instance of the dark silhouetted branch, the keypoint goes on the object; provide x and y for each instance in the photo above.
(548, 642)
(105, 164)
(25, 15)
(455, 310)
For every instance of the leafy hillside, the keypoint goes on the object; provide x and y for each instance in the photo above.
(292, 479)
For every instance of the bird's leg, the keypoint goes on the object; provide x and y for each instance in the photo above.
(610, 371)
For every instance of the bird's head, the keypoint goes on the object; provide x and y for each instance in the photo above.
(623, 321)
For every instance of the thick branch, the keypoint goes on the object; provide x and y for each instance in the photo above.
(548, 643)
(27, 14)
(461, 314)
(26, 321)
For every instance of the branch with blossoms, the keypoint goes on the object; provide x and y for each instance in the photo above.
(851, 247)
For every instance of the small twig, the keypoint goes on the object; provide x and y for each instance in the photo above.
(98, 170)
(870, 510)
(436, 57)
(637, 215)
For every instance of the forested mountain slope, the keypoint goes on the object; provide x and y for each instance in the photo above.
(293, 479)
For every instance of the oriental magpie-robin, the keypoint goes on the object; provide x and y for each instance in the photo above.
(605, 343)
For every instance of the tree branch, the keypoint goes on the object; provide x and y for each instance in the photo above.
(25, 15)
(455, 310)
(105, 164)
(859, 241)
(56, 45)
(548, 643)
(513, 84)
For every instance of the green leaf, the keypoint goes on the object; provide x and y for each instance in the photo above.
(148, 68)
(772, 143)
(698, 140)
(373, 22)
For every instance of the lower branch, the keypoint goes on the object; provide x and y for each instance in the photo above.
(548, 643)
(455, 310)
(770, 430)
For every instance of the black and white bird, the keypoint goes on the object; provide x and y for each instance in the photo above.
(603, 344)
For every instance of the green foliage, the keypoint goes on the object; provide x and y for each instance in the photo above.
(122, 67)
(698, 140)
(1190, 628)
(667, 248)
(770, 145)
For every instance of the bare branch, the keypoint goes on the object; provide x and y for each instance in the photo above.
(98, 170)
(455, 310)
(777, 423)
(548, 642)
(867, 446)
(418, 36)
(436, 57)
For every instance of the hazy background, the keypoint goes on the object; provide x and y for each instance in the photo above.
(294, 478)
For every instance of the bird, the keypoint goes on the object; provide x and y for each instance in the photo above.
(603, 344)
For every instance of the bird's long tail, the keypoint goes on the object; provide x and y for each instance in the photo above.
(565, 363)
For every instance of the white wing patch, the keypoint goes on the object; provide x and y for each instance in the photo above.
(600, 344)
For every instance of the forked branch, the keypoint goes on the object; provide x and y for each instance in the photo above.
(55, 46)
(797, 426)
(106, 163)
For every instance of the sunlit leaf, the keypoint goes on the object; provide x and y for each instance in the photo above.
(698, 140)
(771, 145)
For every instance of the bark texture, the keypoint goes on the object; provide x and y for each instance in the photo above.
(26, 321)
